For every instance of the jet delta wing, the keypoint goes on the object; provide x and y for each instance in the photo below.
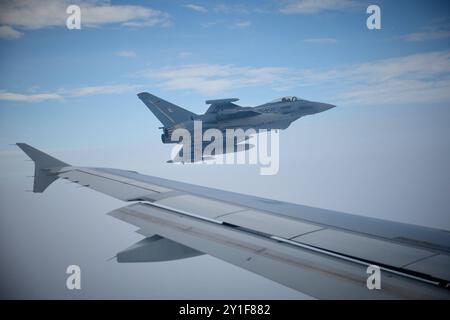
(323, 253)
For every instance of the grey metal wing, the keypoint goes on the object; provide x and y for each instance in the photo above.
(225, 109)
(320, 252)
(221, 104)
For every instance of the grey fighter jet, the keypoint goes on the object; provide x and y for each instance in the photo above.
(225, 114)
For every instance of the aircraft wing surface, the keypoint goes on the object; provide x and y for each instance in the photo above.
(319, 252)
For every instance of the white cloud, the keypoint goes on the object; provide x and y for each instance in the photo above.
(126, 54)
(418, 78)
(29, 14)
(195, 7)
(242, 24)
(314, 6)
(415, 79)
(321, 40)
(11, 96)
(107, 89)
(213, 78)
(184, 54)
(6, 32)
(64, 93)
(426, 35)
(232, 9)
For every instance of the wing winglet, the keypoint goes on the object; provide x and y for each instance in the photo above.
(43, 166)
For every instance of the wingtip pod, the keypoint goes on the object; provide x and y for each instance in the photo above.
(44, 165)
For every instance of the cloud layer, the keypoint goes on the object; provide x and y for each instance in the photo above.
(321, 40)
(29, 14)
(6, 32)
(19, 97)
(211, 79)
(418, 78)
(196, 7)
(65, 93)
(413, 79)
(427, 35)
(126, 54)
(314, 6)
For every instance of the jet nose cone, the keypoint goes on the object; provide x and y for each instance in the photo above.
(325, 106)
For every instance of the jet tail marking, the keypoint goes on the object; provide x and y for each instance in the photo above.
(168, 113)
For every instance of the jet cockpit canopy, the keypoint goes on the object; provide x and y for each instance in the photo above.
(285, 99)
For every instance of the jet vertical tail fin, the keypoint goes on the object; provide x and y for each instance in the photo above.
(168, 113)
(43, 165)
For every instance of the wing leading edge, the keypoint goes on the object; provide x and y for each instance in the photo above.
(319, 252)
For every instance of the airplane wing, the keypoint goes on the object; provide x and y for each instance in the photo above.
(319, 252)
(230, 114)
(221, 104)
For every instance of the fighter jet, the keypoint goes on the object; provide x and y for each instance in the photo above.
(224, 114)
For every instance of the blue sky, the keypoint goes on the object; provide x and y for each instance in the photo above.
(188, 51)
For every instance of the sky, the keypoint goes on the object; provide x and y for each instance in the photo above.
(383, 152)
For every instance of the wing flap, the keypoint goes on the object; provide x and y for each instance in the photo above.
(437, 266)
(270, 224)
(200, 205)
(298, 268)
(364, 247)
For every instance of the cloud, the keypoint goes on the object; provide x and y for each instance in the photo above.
(418, 78)
(107, 89)
(64, 93)
(412, 79)
(18, 97)
(6, 32)
(211, 79)
(321, 40)
(195, 7)
(126, 54)
(242, 24)
(314, 6)
(232, 9)
(184, 54)
(29, 14)
(426, 35)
